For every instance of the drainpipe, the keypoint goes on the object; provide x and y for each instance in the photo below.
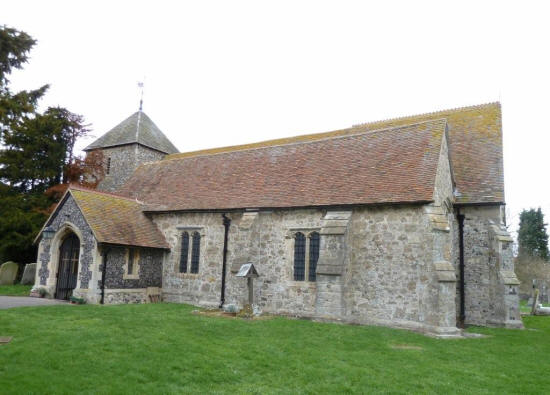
(103, 273)
(226, 224)
(460, 218)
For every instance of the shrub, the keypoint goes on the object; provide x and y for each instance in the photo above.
(76, 300)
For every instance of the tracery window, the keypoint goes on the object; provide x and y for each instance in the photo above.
(306, 255)
(189, 258)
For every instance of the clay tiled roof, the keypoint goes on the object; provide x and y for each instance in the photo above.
(475, 139)
(117, 220)
(137, 128)
(396, 165)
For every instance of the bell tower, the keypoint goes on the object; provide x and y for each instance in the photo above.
(132, 142)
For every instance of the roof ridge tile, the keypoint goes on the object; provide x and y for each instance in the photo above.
(76, 187)
(206, 152)
(426, 114)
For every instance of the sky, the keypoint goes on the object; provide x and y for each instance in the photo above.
(228, 72)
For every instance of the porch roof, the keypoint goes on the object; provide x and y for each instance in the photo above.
(117, 220)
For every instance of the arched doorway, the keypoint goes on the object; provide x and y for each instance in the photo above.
(67, 267)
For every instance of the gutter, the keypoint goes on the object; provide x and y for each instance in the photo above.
(103, 275)
(462, 290)
(479, 204)
(226, 224)
(150, 210)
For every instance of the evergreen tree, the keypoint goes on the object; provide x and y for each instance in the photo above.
(36, 154)
(15, 108)
(39, 152)
(21, 217)
(532, 235)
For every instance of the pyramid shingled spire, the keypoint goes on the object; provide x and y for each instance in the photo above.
(137, 128)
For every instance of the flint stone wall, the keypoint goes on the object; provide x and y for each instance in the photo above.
(127, 296)
(150, 269)
(124, 160)
(69, 212)
(388, 272)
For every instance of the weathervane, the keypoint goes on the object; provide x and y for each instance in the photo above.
(140, 85)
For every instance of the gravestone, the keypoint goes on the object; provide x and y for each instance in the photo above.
(28, 274)
(543, 294)
(543, 310)
(8, 272)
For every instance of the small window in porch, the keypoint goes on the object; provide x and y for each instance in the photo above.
(131, 268)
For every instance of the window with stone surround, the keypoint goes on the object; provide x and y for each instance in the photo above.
(314, 243)
(195, 252)
(306, 255)
(184, 252)
(131, 267)
(190, 251)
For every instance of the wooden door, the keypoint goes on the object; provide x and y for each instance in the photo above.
(68, 267)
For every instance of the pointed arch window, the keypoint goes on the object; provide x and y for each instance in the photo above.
(306, 255)
(195, 252)
(299, 256)
(314, 242)
(184, 252)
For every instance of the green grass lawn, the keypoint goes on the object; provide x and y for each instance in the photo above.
(15, 290)
(164, 348)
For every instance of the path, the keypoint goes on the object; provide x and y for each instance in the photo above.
(7, 302)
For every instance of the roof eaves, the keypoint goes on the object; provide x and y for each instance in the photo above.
(164, 247)
(160, 210)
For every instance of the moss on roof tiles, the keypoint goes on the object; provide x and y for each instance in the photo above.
(475, 140)
(117, 220)
(395, 165)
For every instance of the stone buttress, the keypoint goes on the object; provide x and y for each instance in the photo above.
(329, 302)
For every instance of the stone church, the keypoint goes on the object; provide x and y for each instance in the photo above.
(398, 223)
